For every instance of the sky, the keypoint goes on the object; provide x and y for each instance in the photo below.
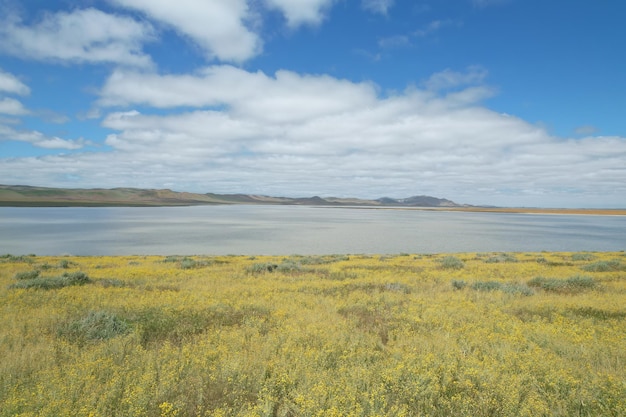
(486, 102)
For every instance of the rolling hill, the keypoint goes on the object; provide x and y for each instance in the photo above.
(25, 196)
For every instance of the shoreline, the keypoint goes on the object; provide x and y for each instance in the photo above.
(504, 210)
(468, 209)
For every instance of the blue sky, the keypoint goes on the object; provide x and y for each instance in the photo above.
(502, 102)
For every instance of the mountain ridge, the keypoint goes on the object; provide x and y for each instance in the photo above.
(25, 195)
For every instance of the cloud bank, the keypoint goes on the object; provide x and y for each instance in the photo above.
(231, 130)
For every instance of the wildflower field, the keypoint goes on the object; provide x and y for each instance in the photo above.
(487, 334)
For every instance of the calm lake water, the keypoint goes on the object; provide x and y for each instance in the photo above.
(286, 230)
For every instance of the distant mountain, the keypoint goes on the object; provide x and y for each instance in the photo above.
(419, 201)
(22, 195)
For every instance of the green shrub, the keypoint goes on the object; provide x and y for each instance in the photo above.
(261, 268)
(18, 258)
(289, 266)
(171, 258)
(501, 258)
(517, 289)
(188, 263)
(581, 282)
(452, 262)
(51, 283)
(583, 257)
(506, 287)
(458, 284)
(605, 266)
(95, 326)
(573, 284)
(65, 264)
(26, 275)
(486, 286)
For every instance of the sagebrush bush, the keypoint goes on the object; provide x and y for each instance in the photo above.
(458, 284)
(261, 267)
(573, 284)
(486, 286)
(501, 258)
(26, 275)
(605, 266)
(583, 257)
(51, 283)
(95, 326)
(452, 262)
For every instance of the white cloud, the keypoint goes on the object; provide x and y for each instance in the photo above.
(217, 26)
(300, 12)
(230, 130)
(12, 85)
(286, 97)
(81, 36)
(12, 107)
(377, 6)
(38, 139)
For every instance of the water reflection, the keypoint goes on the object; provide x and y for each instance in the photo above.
(296, 230)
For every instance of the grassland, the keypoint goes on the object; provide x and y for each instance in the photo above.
(495, 334)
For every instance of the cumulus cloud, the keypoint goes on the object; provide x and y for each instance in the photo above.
(216, 26)
(300, 12)
(12, 107)
(81, 36)
(284, 97)
(38, 139)
(10, 84)
(377, 6)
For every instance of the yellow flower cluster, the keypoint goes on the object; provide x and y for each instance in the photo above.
(471, 334)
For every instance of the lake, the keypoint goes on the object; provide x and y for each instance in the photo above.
(287, 230)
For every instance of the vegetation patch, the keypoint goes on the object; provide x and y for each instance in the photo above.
(186, 262)
(26, 275)
(604, 266)
(458, 284)
(259, 268)
(68, 279)
(158, 325)
(596, 313)
(29, 259)
(501, 258)
(505, 287)
(452, 262)
(575, 284)
(95, 326)
(319, 260)
(583, 257)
